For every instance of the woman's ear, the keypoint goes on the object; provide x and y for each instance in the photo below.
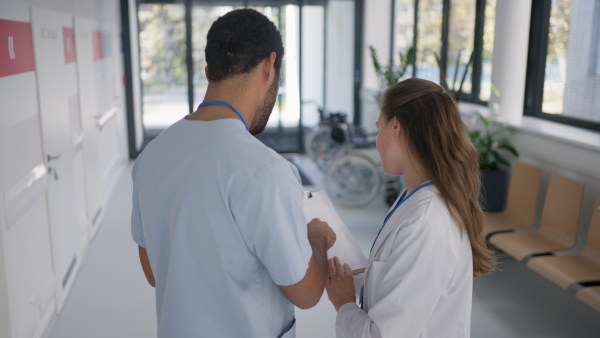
(206, 73)
(396, 127)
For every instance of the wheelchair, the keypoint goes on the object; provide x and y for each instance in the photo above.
(348, 155)
(329, 139)
(356, 178)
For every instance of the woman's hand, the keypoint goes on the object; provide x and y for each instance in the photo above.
(340, 284)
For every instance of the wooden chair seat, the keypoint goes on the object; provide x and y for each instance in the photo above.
(590, 296)
(522, 244)
(558, 229)
(521, 201)
(583, 267)
(567, 270)
(503, 221)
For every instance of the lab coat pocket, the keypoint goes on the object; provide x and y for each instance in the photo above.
(373, 281)
(291, 333)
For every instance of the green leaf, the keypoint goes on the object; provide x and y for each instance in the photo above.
(410, 55)
(495, 90)
(474, 135)
(500, 159)
(485, 121)
(510, 148)
(375, 60)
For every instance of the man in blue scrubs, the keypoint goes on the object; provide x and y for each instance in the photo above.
(217, 215)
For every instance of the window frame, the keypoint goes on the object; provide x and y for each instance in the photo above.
(536, 67)
(476, 67)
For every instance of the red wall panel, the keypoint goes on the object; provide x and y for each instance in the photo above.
(69, 44)
(16, 48)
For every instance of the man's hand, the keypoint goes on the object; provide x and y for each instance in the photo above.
(307, 292)
(320, 234)
(146, 266)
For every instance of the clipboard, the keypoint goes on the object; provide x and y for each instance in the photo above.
(318, 205)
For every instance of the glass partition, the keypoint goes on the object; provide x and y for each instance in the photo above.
(163, 69)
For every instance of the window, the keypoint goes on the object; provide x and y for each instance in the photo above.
(429, 32)
(172, 39)
(456, 34)
(556, 57)
(596, 55)
(561, 84)
(403, 26)
(163, 69)
(485, 90)
(461, 43)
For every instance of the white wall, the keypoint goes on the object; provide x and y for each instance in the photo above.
(45, 220)
(509, 63)
(376, 34)
(339, 59)
(313, 34)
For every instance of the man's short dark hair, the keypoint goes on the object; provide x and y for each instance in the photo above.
(240, 40)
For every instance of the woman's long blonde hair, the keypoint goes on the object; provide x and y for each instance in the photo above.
(436, 134)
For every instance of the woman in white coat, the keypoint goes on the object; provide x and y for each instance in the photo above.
(419, 276)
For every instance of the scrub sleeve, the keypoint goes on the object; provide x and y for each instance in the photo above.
(270, 216)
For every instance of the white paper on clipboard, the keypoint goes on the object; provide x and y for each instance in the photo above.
(318, 205)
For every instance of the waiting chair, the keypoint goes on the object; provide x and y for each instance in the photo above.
(569, 269)
(590, 296)
(521, 202)
(558, 229)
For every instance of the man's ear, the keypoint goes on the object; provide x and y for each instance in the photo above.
(206, 73)
(269, 67)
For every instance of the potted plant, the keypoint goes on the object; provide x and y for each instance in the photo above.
(492, 145)
(390, 74)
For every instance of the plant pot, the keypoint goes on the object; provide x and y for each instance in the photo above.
(494, 190)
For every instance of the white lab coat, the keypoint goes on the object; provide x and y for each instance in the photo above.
(418, 279)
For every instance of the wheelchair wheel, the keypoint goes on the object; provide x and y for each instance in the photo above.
(353, 180)
(322, 148)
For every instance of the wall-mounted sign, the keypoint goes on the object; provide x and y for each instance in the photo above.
(16, 48)
(69, 44)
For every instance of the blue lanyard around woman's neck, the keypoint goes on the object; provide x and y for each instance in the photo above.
(225, 104)
(400, 201)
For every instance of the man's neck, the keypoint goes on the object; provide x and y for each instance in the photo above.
(230, 93)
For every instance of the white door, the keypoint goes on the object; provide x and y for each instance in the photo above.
(57, 144)
(27, 280)
(108, 111)
(89, 111)
(77, 137)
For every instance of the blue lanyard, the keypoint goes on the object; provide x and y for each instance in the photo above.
(225, 104)
(400, 201)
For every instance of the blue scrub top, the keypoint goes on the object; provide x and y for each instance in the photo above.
(221, 217)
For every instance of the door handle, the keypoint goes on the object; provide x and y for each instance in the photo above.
(51, 158)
